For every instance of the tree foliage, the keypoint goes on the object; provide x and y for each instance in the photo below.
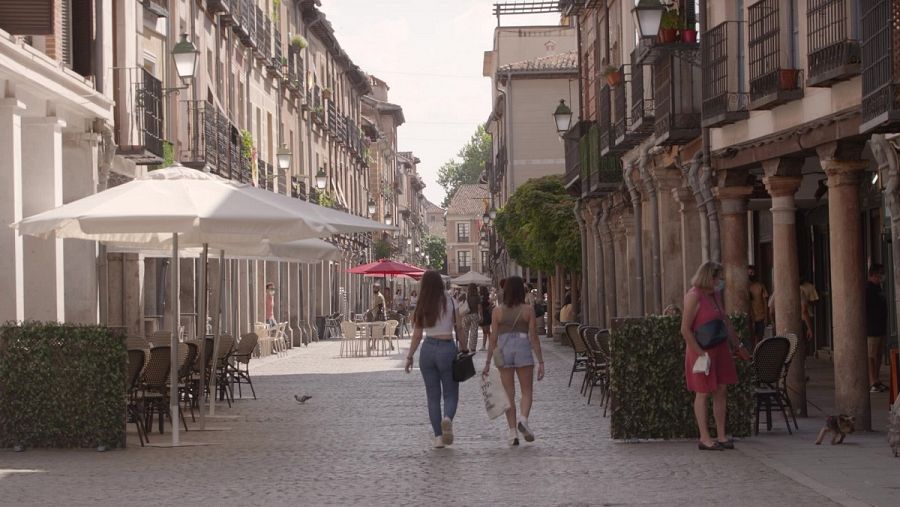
(436, 249)
(538, 226)
(383, 249)
(468, 169)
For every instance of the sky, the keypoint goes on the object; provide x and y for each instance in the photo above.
(430, 52)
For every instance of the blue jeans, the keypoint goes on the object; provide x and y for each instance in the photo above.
(436, 364)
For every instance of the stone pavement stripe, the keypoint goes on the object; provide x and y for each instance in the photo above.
(364, 439)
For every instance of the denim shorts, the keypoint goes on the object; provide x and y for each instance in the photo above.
(515, 349)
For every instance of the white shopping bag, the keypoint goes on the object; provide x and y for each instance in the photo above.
(496, 402)
(701, 365)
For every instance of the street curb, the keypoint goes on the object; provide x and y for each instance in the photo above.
(833, 494)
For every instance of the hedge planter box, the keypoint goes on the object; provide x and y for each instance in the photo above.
(649, 396)
(61, 385)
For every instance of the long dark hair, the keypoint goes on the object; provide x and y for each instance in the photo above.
(485, 296)
(514, 292)
(432, 300)
(472, 297)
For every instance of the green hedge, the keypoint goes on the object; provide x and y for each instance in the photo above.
(650, 398)
(61, 385)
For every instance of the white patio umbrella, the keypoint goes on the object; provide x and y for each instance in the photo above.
(472, 277)
(306, 251)
(181, 204)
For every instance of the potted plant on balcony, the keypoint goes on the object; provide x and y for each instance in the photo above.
(326, 93)
(613, 75)
(787, 79)
(298, 42)
(689, 35)
(668, 27)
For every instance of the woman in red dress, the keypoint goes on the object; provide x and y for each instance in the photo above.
(702, 304)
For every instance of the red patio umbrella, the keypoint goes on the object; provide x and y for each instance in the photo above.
(386, 267)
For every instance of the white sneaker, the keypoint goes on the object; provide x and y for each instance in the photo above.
(438, 442)
(513, 437)
(447, 431)
(526, 431)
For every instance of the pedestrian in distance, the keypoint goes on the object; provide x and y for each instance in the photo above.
(270, 305)
(759, 297)
(704, 311)
(472, 319)
(514, 345)
(876, 326)
(487, 308)
(436, 319)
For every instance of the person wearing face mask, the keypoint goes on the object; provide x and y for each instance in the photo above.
(704, 310)
(270, 305)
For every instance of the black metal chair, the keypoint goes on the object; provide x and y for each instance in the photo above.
(581, 352)
(136, 358)
(239, 369)
(769, 358)
(154, 392)
(186, 385)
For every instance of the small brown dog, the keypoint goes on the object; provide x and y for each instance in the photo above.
(840, 425)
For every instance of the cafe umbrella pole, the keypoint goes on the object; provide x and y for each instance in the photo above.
(201, 327)
(173, 342)
(216, 335)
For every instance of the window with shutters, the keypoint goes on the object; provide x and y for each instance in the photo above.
(27, 17)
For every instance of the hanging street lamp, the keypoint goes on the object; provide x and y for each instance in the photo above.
(321, 178)
(185, 55)
(648, 16)
(388, 218)
(563, 117)
(371, 206)
(283, 155)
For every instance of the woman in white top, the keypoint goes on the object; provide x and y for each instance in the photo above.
(436, 316)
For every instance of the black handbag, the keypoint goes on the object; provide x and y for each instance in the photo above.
(711, 334)
(463, 367)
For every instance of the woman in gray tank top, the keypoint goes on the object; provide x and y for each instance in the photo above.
(514, 345)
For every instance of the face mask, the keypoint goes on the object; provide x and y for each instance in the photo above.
(271, 291)
(720, 286)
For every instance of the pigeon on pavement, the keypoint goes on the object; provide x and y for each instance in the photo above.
(302, 399)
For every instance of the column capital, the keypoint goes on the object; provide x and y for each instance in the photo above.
(843, 172)
(733, 199)
(782, 186)
(13, 103)
(684, 195)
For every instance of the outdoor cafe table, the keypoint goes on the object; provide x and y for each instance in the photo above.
(364, 330)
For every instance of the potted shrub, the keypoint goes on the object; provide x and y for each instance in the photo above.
(689, 35)
(298, 42)
(326, 93)
(787, 79)
(668, 27)
(613, 76)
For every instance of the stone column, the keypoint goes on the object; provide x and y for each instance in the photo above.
(42, 178)
(691, 251)
(80, 160)
(848, 262)
(623, 291)
(598, 288)
(634, 281)
(585, 310)
(671, 261)
(734, 246)
(12, 278)
(786, 273)
(609, 264)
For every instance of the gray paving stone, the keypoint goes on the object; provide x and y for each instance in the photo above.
(364, 439)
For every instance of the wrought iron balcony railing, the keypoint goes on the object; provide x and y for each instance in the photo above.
(245, 21)
(880, 66)
(572, 176)
(833, 53)
(599, 174)
(263, 46)
(219, 6)
(632, 110)
(332, 117)
(724, 101)
(213, 142)
(159, 8)
(676, 99)
(139, 116)
(298, 188)
(772, 81)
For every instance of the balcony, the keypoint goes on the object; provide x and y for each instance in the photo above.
(599, 174)
(221, 7)
(157, 7)
(572, 140)
(298, 188)
(772, 80)
(833, 55)
(723, 101)
(263, 39)
(880, 67)
(604, 120)
(632, 110)
(276, 64)
(676, 99)
(244, 14)
(499, 167)
(213, 142)
(295, 73)
(318, 106)
(332, 114)
(139, 116)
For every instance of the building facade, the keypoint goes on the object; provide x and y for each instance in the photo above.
(271, 78)
(531, 69)
(768, 142)
(464, 229)
(435, 222)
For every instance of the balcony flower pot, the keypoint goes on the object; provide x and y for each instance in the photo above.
(613, 76)
(689, 36)
(326, 93)
(668, 27)
(787, 79)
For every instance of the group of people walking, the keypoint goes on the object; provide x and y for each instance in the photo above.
(445, 327)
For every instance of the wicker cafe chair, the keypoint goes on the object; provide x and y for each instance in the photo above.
(769, 358)
(187, 355)
(597, 373)
(581, 352)
(782, 383)
(223, 384)
(390, 334)
(136, 358)
(154, 392)
(239, 368)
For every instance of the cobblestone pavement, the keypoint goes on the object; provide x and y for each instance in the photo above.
(364, 439)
